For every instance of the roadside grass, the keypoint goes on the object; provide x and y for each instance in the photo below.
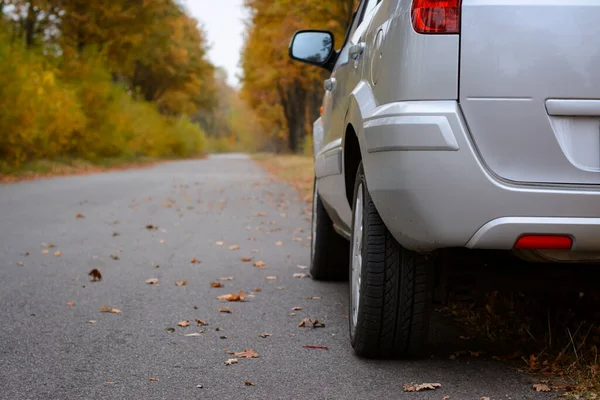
(555, 337)
(63, 167)
(297, 170)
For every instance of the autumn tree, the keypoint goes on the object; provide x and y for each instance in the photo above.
(286, 94)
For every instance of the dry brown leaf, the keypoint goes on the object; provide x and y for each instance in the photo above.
(92, 321)
(278, 243)
(233, 296)
(115, 234)
(95, 275)
(259, 264)
(114, 257)
(446, 398)
(296, 308)
(302, 266)
(231, 361)
(247, 354)
(58, 253)
(181, 283)
(411, 387)
(300, 275)
(225, 310)
(265, 335)
(150, 227)
(152, 281)
(271, 278)
(257, 289)
(311, 323)
(153, 378)
(220, 243)
(216, 284)
(110, 310)
(261, 214)
(226, 278)
(248, 383)
(195, 261)
(313, 298)
(71, 303)
(297, 239)
(292, 314)
(200, 322)
(45, 251)
(79, 216)
(541, 387)
(234, 247)
(184, 324)
(532, 362)
(251, 238)
(246, 259)
(484, 398)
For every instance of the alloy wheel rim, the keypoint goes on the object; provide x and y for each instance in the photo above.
(357, 239)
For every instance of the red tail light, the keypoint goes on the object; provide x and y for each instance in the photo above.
(543, 242)
(436, 16)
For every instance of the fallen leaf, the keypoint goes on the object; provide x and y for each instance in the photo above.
(446, 398)
(58, 253)
(154, 379)
(316, 347)
(115, 234)
(181, 283)
(314, 298)
(484, 398)
(233, 296)
(111, 383)
(311, 323)
(150, 227)
(541, 387)
(532, 362)
(271, 278)
(251, 238)
(170, 330)
(411, 387)
(220, 243)
(95, 275)
(259, 264)
(265, 335)
(152, 281)
(248, 383)
(71, 303)
(247, 354)
(292, 314)
(261, 214)
(20, 263)
(195, 261)
(226, 278)
(257, 289)
(110, 310)
(193, 334)
(246, 259)
(45, 251)
(234, 247)
(114, 257)
(296, 308)
(299, 275)
(184, 324)
(92, 321)
(200, 322)
(302, 266)
(278, 243)
(225, 310)
(231, 361)
(79, 216)
(161, 241)
(216, 284)
(217, 329)
(297, 239)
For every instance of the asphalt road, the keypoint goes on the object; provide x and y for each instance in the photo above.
(50, 350)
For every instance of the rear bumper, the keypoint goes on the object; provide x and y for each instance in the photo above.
(432, 190)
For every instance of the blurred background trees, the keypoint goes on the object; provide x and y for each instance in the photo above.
(287, 95)
(95, 79)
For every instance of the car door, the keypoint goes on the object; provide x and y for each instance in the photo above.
(346, 74)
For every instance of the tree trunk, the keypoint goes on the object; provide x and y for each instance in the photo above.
(30, 25)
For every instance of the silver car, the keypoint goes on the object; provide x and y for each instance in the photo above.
(445, 125)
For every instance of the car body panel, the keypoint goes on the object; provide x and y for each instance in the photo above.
(514, 57)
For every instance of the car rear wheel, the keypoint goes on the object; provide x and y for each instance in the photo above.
(390, 287)
(328, 250)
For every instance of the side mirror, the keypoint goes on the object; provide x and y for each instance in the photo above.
(313, 47)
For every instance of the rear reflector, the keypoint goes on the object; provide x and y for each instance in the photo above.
(436, 16)
(541, 242)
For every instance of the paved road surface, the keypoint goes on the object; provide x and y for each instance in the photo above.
(49, 350)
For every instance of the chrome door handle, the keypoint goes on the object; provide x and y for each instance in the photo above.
(329, 84)
(356, 50)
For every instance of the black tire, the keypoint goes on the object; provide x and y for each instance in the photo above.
(329, 251)
(395, 299)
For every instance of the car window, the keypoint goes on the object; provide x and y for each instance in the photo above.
(369, 6)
